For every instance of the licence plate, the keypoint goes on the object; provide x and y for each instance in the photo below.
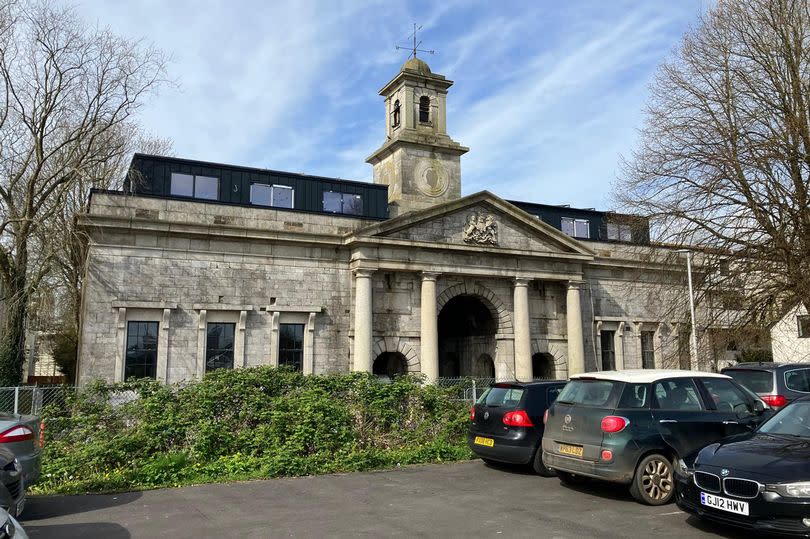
(573, 450)
(480, 440)
(724, 504)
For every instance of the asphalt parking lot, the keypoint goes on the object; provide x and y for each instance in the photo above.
(467, 499)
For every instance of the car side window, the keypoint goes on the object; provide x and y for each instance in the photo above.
(635, 396)
(727, 397)
(798, 380)
(677, 394)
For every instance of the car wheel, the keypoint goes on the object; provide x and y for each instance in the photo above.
(539, 467)
(653, 483)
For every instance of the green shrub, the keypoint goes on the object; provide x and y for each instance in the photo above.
(244, 424)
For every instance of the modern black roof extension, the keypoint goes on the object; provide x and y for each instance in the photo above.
(172, 177)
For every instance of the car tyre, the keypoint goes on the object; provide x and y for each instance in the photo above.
(654, 482)
(539, 467)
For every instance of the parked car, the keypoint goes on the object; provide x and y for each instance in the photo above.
(12, 486)
(23, 436)
(10, 528)
(776, 383)
(759, 481)
(633, 426)
(506, 423)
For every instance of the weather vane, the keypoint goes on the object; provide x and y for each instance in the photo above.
(415, 48)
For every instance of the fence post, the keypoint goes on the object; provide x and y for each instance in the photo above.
(16, 400)
(475, 393)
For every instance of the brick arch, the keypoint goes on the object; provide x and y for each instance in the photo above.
(396, 344)
(490, 300)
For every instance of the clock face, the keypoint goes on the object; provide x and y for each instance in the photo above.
(431, 177)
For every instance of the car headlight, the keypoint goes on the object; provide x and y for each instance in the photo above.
(683, 469)
(792, 490)
(8, 530)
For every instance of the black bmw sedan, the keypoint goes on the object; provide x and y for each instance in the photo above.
(759, 481)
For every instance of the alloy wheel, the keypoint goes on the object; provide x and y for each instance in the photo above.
(656, 479)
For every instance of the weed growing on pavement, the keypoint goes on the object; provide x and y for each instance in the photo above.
(245, 424)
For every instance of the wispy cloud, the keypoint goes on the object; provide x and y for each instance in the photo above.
(547, 94)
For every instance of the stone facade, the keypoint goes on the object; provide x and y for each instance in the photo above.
(448, 286)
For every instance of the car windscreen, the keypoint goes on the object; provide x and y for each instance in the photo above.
(792, 420)
(588, 392)
(756, 381)
(505, 397)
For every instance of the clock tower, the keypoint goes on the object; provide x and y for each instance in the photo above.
(419, 162)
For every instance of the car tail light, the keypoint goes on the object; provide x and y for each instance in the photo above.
(775, 401)
(20, 433)
(42, 434)
(614, 423)
(472, 413)
(545, 417)
(518, 418)
(607, 455)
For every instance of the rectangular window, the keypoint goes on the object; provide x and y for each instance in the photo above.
(677, 394)
(182, 185)
(186, 185)
(282, 196)
(648, 349)
(219, 346)
(619, 232)
(608, 352)
(291, 345)
(804, 325)
(798, 380)
(347, 203)
(141, 352)
(260, 194)
(577, 228)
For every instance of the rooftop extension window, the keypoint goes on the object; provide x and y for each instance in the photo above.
(277, 196)
(577, 228)
(619, 232)
(187, 185)
(348, 203)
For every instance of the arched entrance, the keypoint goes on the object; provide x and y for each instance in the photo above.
(543, 366)
(466, 338)
(390, 364)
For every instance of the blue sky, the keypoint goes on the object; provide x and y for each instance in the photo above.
(547, 95)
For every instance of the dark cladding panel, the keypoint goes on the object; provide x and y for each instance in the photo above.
(235, 182)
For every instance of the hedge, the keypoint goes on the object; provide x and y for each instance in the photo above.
(244, 424)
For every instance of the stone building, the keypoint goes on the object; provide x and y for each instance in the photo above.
(197, 266)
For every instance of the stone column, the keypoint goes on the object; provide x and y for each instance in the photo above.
(523, 343)
(429, 334)
(576, 344)
(362, 321)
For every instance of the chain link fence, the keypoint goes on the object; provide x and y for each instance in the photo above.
(32, 400)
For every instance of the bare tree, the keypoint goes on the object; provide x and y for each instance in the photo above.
(724, 159)
(67, 92)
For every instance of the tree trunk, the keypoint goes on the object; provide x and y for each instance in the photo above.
(12, 342)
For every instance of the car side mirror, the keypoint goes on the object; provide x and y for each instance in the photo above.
(759, 407)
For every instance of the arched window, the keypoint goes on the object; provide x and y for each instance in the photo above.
(395, 114)
(424, 109)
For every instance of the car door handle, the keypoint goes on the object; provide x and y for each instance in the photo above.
(729, 422)
(668, 421)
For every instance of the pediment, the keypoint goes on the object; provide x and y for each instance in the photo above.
(481, 220)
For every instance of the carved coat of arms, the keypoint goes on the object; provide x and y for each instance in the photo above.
(481, 228)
